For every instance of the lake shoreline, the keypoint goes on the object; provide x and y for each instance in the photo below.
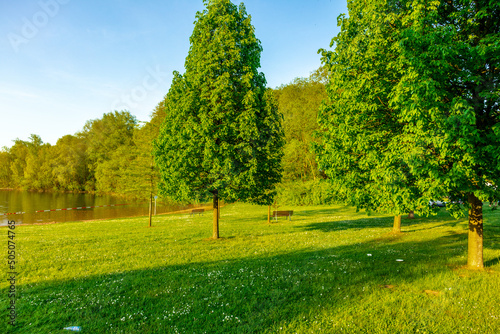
(188, 210)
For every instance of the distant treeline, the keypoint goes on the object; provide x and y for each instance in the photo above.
(113, 154)
(109, 155)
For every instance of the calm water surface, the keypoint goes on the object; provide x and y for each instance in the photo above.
(30, 202)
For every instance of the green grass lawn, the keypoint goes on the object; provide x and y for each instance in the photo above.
(329, 270)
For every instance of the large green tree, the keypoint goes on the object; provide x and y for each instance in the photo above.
(39, 164)
(413, 111)
(222, 134)
(31, 164)
(18, 154)
(359, 151)
(450, 95)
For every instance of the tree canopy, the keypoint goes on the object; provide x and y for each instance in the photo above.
(222, 131)
(413, 111)
(360, 147)
(450, 93)
(222, 134)
(91, 160)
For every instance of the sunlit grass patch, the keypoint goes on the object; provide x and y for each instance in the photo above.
(328, 270)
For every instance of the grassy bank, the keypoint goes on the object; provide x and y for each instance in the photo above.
(329, 270)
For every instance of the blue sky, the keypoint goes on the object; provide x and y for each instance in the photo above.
(64, 62)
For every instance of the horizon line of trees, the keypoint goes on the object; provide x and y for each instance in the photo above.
(113, 154)
(109, 155)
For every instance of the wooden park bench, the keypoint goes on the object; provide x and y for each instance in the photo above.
(198, 211)
(288, 214)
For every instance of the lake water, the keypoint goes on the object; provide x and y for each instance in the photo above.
(12, 201)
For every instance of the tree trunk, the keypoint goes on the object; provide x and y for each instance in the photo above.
(151, 194)
(411, 215)
(150, 207)
(216, 215)
(397, 224)
(475, 249)
(313, 170)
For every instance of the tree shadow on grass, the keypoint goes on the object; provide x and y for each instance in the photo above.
(242, 295)
(443, 218)
(492, 262)
(332, 226)
(491, 238)
(326, 211)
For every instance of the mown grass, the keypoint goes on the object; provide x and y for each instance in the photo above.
(329, 270)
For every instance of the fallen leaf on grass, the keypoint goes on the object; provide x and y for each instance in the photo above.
(387, 286)
(431, 292)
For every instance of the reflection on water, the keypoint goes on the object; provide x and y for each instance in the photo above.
(30, 202)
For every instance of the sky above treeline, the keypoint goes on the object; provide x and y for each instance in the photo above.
(64, 62)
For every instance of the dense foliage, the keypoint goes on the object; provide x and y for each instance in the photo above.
(222, 133)
(124, 166)
(110, 155)
(414, 107)
(361, 129)
(299, 102)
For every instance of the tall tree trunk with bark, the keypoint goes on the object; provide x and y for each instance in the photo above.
(216, 215)
(475, 251)
(150, 208)
(397, 224)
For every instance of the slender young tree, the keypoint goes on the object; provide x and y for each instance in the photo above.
(222, 136)
(140, 175)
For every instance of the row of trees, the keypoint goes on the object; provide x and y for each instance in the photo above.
(412, 114)
(299, 102)
(111, 155)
